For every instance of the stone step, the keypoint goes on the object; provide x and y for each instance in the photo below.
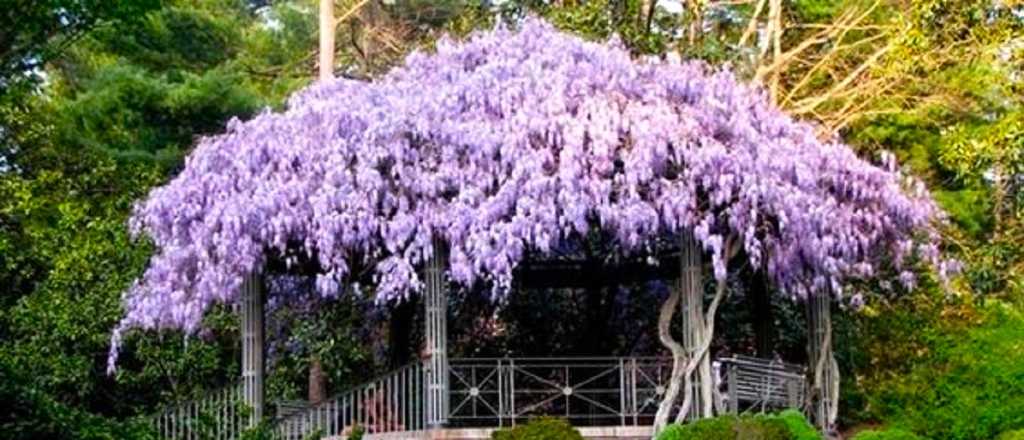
(589, 433)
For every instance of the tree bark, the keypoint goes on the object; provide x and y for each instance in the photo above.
(702, 350)
(683, 366)
(317, 381)
(824, 395)
(327, 24)
(668, 309)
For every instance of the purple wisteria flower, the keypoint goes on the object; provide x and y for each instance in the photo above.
(514, 141)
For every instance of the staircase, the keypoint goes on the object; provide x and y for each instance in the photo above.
(391, 403)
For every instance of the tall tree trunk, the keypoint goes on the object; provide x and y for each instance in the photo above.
(317, 380)
(326, 39)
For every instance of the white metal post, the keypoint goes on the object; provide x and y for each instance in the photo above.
(436, 335)
(252, 347)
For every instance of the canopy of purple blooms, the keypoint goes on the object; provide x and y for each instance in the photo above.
(516, 141)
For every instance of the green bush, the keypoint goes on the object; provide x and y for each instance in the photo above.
(887, 434)
(967, 385)
(718, 428)
(357, 433)
(798, 425)
(787, 425)
(544, 428)
(1012, 435)
(763, 427)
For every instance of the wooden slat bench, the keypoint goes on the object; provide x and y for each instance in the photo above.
(759, 384)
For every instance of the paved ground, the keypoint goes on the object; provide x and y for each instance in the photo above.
(590, 433)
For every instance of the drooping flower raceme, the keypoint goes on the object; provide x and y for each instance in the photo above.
(515, 141)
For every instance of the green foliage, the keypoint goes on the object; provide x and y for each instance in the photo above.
(133, 113)
(262, 431)
(887, 434)
(146, 90)
(327, 333)
(965, 383)
(141, 91)
(60, 327)
(798, 426)
(544, 428)
(32, 413)
(787, 425)
(1012, 435)
(717, 428)
(32, 33)
(357, 433)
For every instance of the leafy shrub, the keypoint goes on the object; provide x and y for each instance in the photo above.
(798, 425)
(762, 427)
(787, 425)
(31, 413)
(1012, 435)
(717, 428)
(887, 434)
(262, 431)
(357, 433)
(968, 384)
(544, 428)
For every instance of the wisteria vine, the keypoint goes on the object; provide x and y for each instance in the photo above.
(516, 140)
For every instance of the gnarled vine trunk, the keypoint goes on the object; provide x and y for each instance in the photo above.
(699, 325)
(824, 395)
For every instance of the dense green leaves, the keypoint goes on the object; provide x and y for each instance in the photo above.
(34, 32)
(540, 429)
(967, 385)
(787, 425)
(886, 434)
(117, 111)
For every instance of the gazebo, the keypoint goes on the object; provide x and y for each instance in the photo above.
(474, 165)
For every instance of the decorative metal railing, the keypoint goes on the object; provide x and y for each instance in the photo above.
(494, 392)
(587, 391)
(221, 415)
(390, 403)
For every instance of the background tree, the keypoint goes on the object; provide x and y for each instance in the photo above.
(119, 107)
(33, 33)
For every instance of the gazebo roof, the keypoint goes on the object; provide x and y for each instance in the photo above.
(517, 140)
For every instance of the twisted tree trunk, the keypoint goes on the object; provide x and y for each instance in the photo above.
(683, 364)
(701, 355)
(824, 395)
(678, 356)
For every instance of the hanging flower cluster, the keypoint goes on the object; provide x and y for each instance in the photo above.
(515, 141)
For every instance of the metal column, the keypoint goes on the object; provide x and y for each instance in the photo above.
(252, 347)
(436, 335)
